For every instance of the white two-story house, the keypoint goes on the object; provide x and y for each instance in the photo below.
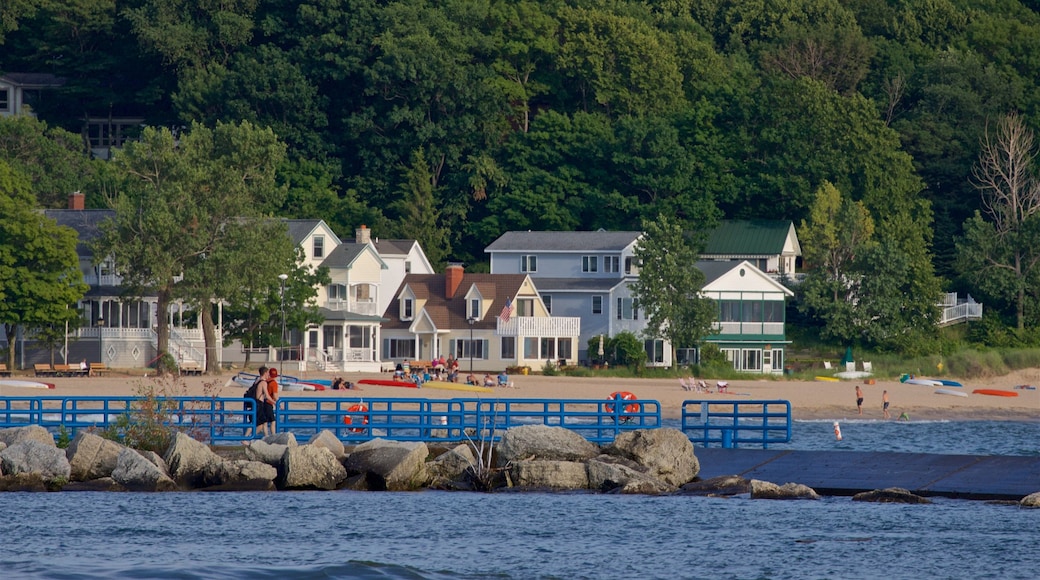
(586, 275)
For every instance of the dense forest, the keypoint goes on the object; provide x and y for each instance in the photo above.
(454, 121)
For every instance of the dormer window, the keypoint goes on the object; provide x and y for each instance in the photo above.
(474, 308)
(407, 308)
(319, 247)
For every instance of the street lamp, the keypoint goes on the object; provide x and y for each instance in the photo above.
(281, 340)
(100, 342)
(471, 322)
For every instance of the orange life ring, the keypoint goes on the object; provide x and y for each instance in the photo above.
(624, 396)
(359, 409)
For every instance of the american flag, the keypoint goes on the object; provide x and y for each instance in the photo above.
(507, 311)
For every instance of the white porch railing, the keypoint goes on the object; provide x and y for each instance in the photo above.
(366, 306)
(181, 348)
(750, 328)
(530, 326)
(955, 310)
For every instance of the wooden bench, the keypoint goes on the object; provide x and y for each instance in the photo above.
(3, 370)
(62, 370)
(98, 369)
(43, 370)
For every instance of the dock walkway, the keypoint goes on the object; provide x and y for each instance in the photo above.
(851, 472)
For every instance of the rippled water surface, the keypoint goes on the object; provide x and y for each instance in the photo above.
(536, 535)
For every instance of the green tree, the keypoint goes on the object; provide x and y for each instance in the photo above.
(50, 157)
(180, 204)
(1001, 254)
(669, 285)
(39, 268)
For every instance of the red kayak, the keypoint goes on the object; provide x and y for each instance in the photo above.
(388, 383)
(995, 392)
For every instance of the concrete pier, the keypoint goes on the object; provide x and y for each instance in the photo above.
(851, 472)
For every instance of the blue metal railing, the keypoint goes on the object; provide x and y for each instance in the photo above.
(223, 420)
(733, 423)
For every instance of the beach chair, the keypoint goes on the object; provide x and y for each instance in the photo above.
(702, 387)
(868, 367)
(722, 386)
(686, 386)
(850, 366)
(827, 364)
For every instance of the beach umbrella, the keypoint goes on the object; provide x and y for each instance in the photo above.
(848, 355)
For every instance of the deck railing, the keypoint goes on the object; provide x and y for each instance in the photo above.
(734, 423)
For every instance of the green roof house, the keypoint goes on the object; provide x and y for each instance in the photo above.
(770, 245)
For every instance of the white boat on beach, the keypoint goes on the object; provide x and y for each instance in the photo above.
(23, 384)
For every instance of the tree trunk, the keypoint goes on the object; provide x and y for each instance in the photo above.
(11, 331)
(162, 342)
(209, 333)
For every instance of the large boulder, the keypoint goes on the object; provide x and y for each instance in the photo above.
(136, 472)
(766, 490)
(23, 482)
(92, 457)
(545, 443)
(241, 475)
(667, 453)
(269, 453)
(287, 438)
(717, 486)
(390, 465)
(890, 495)
(450, 465)
(310, 467)
(32, 456)
(13, 435)
(1032, 500)
(537, 473)
(612, 473)
(189, 460)
(329, 441)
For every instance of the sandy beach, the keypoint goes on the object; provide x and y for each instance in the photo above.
(809, 399)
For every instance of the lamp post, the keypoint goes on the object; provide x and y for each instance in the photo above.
(281, 339)
(100, 343)
(471, 322)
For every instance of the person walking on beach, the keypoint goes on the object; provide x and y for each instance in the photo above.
(884, 400)
(859, 399)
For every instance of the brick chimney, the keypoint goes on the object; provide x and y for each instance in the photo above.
(76, 200)
(452, 279)
(362, 235)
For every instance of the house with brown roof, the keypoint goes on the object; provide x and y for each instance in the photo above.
(486, 321)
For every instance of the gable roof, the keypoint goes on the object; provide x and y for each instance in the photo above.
(716, 269)
(300, 229)
(86, 222)
(450, 312)
(598, 241)
(344, 255)
(393, 247)
(749, 237)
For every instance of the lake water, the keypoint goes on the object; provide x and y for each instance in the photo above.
(435, 535)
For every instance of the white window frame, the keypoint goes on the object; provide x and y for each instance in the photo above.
(407, 309)
(547, 300)
(528, 263)
(611, 264)
(597, 305)
(318, 247)
(590, 264)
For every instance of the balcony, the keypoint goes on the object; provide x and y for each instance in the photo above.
(530, 326)
(750, 328)
(365, 306)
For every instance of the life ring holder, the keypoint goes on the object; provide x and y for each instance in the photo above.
(631, 408)
(358, 417)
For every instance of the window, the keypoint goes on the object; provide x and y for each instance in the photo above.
(508, 347)
(337, 292)
(774, 311)
(463, 347)
(597, 305)
(319, 247)
(631, 266)
(548, 349)
(524, 306)
(547, 300)
(590, 263)
(407, 267)
(563, 348)
(5, 100)
(528, 263)
(752, 360)
(531, 348)
(406, 309)
(359, 337)
(654, 350)
(398, 348)
(333, 336)
(363, 292)
(627, 309)
(474, 308)
(611, 263)
(729, 311)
